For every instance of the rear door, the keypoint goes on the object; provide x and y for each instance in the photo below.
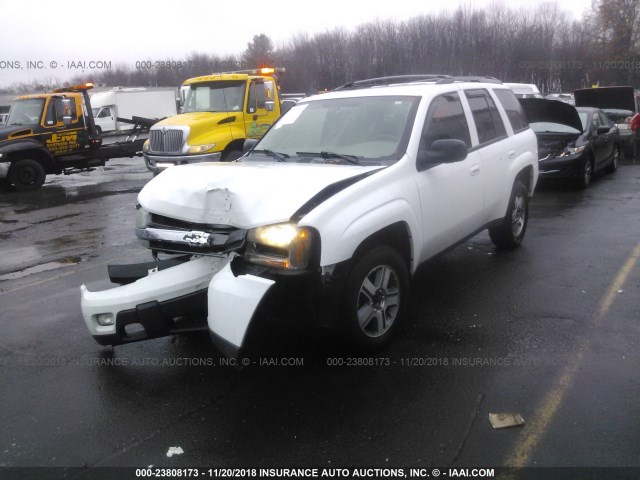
(451, 194)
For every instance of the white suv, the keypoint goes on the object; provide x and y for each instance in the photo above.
(340, 202)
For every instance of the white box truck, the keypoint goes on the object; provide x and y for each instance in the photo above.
(112, 107)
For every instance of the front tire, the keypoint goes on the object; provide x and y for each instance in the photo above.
(27, 174)
(375, 299)
(586, 174)
(510, 232)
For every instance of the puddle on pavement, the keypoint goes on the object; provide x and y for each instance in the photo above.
(45, 267)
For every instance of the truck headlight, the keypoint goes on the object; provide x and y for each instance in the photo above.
(284, 245)
(143, 217)
(145, 146)
(195, 149)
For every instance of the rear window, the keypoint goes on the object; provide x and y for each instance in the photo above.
(488, 122)
(513, 109)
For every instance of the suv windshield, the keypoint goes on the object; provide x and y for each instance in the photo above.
(222, 96)
(26, 112)
(342, 130)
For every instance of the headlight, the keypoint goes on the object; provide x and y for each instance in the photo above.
(145, 146)
(195, 149)
(572, 150)
(285, 245)
(143, 217)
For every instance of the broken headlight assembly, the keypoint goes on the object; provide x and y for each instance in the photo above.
(143, 217)
(284, 246)
(573, 150)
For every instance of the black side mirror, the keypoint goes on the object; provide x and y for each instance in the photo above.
(442, 151)
(601, 130)
(249, 143)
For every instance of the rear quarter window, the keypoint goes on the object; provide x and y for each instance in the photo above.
(513, 109)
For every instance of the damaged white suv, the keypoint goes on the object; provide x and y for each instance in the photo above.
(339, 203)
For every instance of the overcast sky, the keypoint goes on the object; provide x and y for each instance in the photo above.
(119, 31)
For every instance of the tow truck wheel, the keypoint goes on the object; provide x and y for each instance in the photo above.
(27, 174)
(231, 155)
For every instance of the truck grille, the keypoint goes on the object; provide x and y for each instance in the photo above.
(222, 238)
(166, 141)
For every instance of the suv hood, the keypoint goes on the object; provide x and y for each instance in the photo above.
(244, 195)
(553, 111)
(606, 97)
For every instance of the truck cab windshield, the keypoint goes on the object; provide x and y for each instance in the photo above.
(222, 96)
(26, 112)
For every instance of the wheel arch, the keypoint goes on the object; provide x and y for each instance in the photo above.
(397, 236)
(38, 154)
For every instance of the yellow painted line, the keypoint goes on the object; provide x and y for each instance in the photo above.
(538, 425)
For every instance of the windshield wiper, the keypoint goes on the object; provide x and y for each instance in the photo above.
(280, 157)
(352, 159)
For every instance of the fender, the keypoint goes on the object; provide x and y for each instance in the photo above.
(25, 144)
(365, 208)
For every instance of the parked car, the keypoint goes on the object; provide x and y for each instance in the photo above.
(286, 104)
(337, 205)
(563, 97)
(619, 103)
(572, 142)
(525, 90)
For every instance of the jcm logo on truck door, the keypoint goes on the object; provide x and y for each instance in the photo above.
(63, 142)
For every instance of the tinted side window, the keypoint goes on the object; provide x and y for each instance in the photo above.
(488, 121)
(445, 120)
(513, 109)
(606, 121)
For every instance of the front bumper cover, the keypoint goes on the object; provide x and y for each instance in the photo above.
(196, 295)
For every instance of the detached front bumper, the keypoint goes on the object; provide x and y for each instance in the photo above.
(158, 163)
(197, 295)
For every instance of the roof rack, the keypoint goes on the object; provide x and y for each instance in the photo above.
(438, 79)
(374, 82)
(472, 78)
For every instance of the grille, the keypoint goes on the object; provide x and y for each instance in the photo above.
(223, 239)
(166, 141)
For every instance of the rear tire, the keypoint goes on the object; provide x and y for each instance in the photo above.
(613, 166)
(510, 232)
(375, 298)
(27, 174)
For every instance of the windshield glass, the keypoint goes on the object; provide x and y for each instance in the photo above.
(371, 129)
(222, 96)
(26, 112)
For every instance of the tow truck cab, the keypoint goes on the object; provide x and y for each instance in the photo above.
(48, 133)
(219, 113)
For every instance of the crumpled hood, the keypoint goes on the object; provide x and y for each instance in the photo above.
(244, 195)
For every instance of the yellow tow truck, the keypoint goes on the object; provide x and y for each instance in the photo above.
(220, 112)
(54, 133)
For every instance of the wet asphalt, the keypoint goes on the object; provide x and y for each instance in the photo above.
(544, 331)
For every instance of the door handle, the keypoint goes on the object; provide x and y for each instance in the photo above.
(475, 170)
